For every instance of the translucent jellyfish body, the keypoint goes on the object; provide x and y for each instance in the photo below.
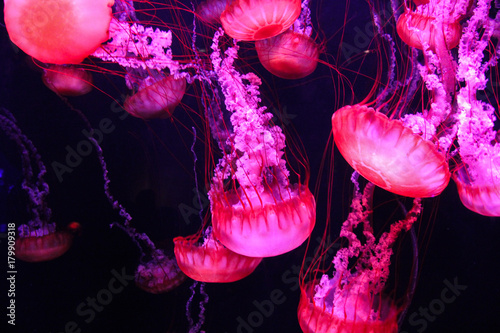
(482, 198)
(58, 31)
(388, 154)
(416, 29)
(159, 275)
(289, 55)
(157, 98)
(268, 225)
(45, 243)
(67, 80)
(360, 314)
(211, 261)
(259, 19)
(210, 10)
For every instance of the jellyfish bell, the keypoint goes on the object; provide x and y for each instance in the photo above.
(156, 98)
(44, 243)
(388, 154)
(159, 275)
(481, 195)
(358, 313)
(67, 80)
(290, 55)
(417, 30)
(212, 261)
(58, 31)
(268, 225)
(252, 20)
(210, 10)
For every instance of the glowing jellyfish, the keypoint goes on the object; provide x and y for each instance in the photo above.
(38, 239)
(259, 19)
(352, 300)
(38, 243)
(159, 275)
(417, 29)
(157, 97)
(478, 173)
(211, 261)
(388, 154)
(58, 31)
(289, 55)
(292, 54)
(67, 80)
(264, 215)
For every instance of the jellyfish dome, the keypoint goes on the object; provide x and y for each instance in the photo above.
(417, 29)
(290, 55)
(482, 198)
(58, 31)
(269, 225)
(159, 275)
(389, 154)
(211, 261)
(210, 10)
(37, 244)
(156, 98)
(67, 80)
(252, 20)
(358, 313)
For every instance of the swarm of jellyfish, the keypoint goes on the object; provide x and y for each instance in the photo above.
(260, 202)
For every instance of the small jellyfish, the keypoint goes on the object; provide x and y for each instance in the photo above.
(289, 55)
(210, 10)
(39, 242)
(156, 97)
(212, 261)
(67, 80)
(38, 239)
(159, 275)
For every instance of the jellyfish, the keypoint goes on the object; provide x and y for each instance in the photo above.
(478, 172)
(388, 154)
(67, 80)
(211, 10)
(158, 275)
(264, 215)
(252, 20)
(38, 240)
(58, 31)
(212, 261)
(352, 300)
(291, 54)
(156, 97)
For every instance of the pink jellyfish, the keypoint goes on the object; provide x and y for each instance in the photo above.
(259, 19)
(38, 239)
(352, 300)
(264, 215)
(58, 32)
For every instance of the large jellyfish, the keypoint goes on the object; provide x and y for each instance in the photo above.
(58, 31)
(352, 300)
(264, 215)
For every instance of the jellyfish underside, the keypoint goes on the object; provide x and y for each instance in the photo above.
(388, 154)
(252, 20)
